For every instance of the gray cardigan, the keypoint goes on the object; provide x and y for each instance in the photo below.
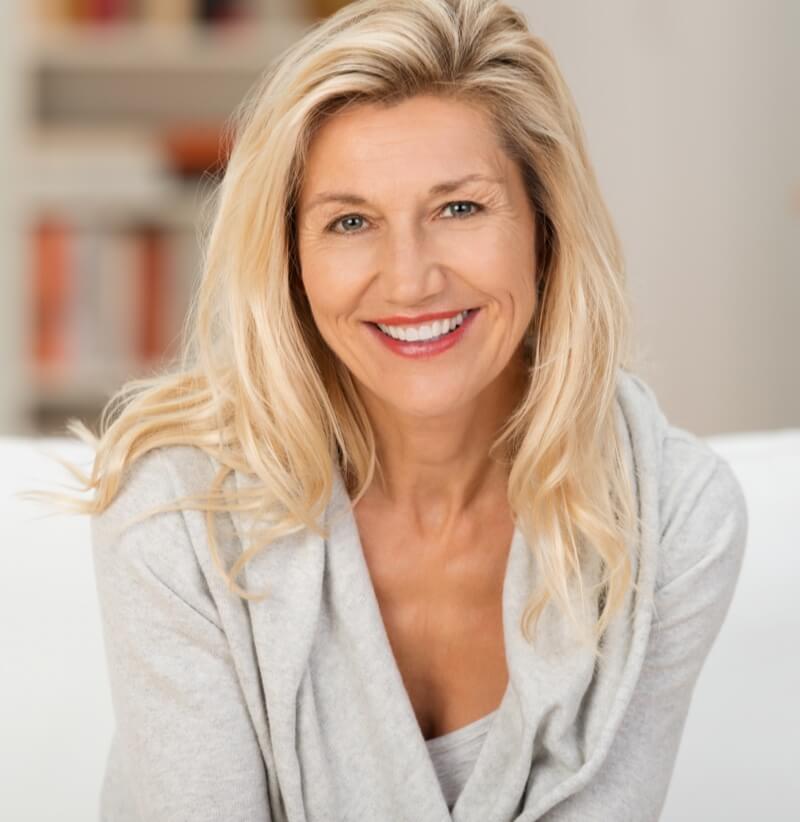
(293, 709)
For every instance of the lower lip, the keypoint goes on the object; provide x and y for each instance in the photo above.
(420, 348)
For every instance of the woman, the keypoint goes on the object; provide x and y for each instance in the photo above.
(481, 570)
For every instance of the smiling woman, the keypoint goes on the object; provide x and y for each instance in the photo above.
(482, 570)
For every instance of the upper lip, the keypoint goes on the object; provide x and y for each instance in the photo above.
(398, 319)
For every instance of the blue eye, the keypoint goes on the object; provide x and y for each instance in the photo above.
(464, 203)
(341, 220)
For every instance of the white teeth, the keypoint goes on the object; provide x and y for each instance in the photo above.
(412, 333)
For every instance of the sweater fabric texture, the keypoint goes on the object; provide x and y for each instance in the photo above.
(293, 708)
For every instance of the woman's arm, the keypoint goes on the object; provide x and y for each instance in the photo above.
(704, 529)
(184, 746)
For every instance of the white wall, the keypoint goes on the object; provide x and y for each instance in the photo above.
(691, 112)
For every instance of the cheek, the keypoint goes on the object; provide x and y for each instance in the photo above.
(332, 282)
(348, 260)
(500, 260)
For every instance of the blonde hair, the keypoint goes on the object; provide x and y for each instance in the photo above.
(259, 390)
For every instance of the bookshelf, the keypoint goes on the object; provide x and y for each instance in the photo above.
(116, 110)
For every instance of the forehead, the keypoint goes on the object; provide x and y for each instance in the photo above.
(413, 141)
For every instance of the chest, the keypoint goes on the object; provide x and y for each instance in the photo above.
(441, 605)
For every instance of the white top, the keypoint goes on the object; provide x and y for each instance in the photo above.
(454, 754)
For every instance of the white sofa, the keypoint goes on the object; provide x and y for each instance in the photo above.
(739, 752)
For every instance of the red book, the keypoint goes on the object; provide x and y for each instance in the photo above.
(106, 11)
(152, 294)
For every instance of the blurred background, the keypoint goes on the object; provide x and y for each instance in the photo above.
(111, 117)
(110, 138)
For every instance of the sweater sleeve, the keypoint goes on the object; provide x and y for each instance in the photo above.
(704, 524)
(184, 747)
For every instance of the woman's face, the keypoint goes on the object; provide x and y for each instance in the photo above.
(407, 211)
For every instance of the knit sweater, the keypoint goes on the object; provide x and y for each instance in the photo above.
(293, 709)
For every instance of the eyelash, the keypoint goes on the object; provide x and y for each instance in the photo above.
(332, 225)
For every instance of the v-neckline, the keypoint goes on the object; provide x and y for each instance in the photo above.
(347, 534)
(339, 727)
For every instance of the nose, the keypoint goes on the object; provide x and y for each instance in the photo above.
(408, 272)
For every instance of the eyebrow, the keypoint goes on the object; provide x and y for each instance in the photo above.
(446, 187)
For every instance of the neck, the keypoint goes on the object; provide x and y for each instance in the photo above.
(437, 471)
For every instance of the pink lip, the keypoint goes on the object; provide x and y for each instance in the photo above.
(420, 349)
(420, 318)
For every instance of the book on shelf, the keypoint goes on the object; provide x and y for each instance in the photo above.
(171, 12)
(52, 292)
(107, 301)
(186, 12)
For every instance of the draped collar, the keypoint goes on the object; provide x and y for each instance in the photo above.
(342, 730)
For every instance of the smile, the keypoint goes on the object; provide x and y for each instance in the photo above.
(426, 339)
(424, 331)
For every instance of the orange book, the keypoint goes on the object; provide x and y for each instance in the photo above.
(194, 148)
(56, 12)
(52, 285)
(80, 11)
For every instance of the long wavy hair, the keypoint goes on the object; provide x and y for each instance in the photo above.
(258, 389)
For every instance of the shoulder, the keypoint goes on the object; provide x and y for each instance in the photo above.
(702, 509)
(156, 478)
(702, 518)
(135, 546)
